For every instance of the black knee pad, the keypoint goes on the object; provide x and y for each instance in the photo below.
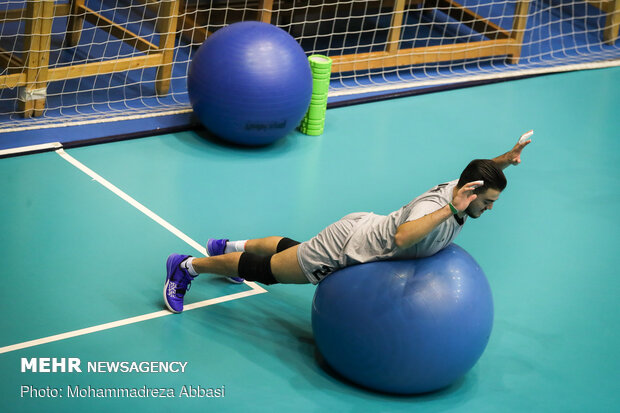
(286, 243)
(257, 268)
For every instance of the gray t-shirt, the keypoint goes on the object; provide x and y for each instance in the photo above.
(372, 238)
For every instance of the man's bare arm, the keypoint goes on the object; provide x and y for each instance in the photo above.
(412, 232)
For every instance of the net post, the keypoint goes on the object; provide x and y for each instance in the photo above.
(612, 22)
(167, 23)
(396, 26)
(518, 29)
(265, 10)
(39, 15)
(75, 22)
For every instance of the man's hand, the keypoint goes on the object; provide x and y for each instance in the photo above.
(412, 232)
(465, 196)
(513, 156)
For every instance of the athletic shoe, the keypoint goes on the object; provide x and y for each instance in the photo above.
(178, 281)
(217, 247)
(236, 280)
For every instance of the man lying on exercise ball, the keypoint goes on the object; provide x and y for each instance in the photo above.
(419, 229)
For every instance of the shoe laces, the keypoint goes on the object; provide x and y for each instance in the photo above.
(179, 292)
(183, 285)
(187, 288)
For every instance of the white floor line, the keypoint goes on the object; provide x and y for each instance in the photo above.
(143, 209)
(131, 201)
(31, 148)
(255, 288)
(126, 321)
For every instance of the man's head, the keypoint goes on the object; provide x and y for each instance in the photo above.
(494, 183)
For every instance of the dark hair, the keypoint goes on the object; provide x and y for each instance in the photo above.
(483, 170)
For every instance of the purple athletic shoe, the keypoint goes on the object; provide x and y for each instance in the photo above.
(178, 282)
(217, 247)
(236, 280)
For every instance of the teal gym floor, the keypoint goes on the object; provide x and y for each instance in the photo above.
(83, 268)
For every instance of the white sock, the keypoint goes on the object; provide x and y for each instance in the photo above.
(235, 246)
(187, 264)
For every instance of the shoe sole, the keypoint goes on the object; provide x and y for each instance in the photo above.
(168, 273)
(166, 299)
(232, 280)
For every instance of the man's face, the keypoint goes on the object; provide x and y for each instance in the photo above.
(483, 202)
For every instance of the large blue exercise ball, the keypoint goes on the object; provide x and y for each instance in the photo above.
(405, 327)
(250, 83)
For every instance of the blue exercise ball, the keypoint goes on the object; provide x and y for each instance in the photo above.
(250, 83)
(405, 327)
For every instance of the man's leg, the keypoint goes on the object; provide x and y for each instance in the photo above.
(286, 268)
(283, 266)
(226, 264)
(260, 246)
(263, 246)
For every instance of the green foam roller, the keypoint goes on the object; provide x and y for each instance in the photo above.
(312, 132)
(311, 128)
(319, 100)
(309, 131)
(321, 79)
(304, 127)
(320, 61)
(313, 123)
(320, 86)
(317, 106)
(320, 70)
(321, 73)
(315, 117)
(319, 97)
(315, 114)
(321, 76)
